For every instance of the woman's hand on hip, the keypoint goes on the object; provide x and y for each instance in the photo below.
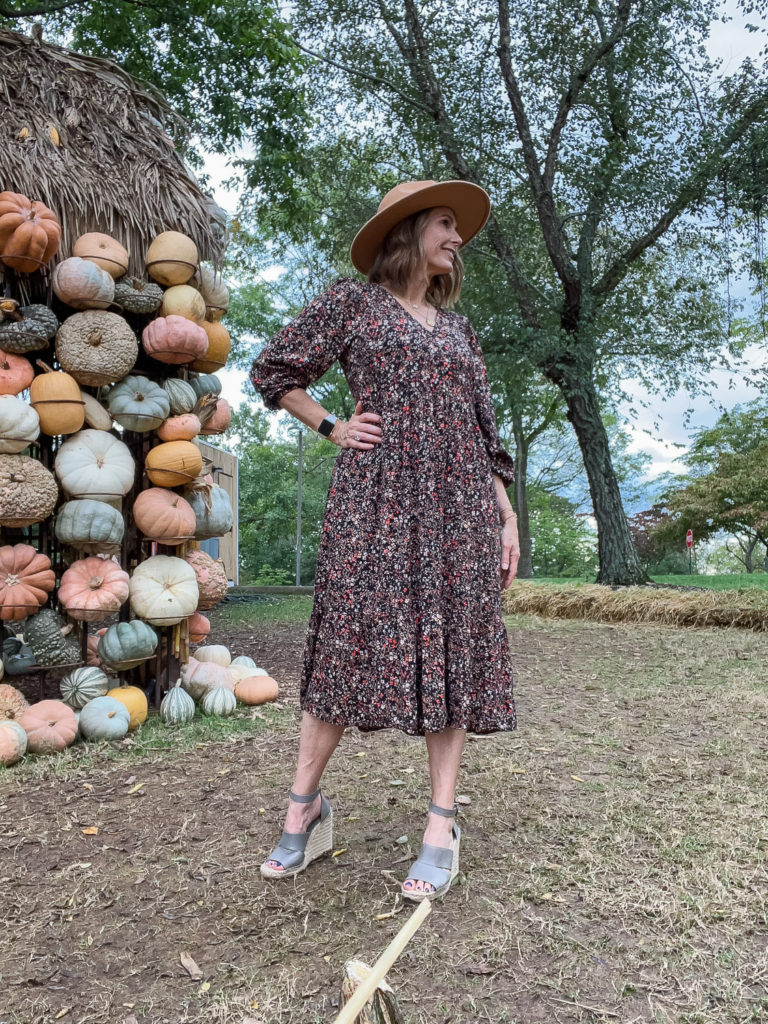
(510, 552)
(362, 431)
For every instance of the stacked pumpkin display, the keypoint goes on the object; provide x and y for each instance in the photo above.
(93, 406)
(216, 681)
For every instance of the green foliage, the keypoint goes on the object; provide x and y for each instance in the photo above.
(562, 542)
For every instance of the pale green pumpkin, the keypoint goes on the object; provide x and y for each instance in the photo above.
(127, 644)
(138, 404)
(83, 685)
(181, 395)
(104, 718)
(213, 512)
(90, 526)
(177, 707)
(206, 384)
(219, 701)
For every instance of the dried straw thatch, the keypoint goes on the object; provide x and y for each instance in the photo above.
(88, 141)
(742, 609)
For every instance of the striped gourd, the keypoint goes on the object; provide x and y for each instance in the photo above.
(246, 662)
(82, 685)
(219, 701)
(177, 707)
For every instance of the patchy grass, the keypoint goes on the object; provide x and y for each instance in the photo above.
(613, 857)
(274, 609)
(729, 581)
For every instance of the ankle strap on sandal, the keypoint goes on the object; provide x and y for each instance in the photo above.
(443, 811)
(305, 798)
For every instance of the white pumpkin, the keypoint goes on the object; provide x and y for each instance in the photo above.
(19, 425)
(95, 464)
(96, 415)
(198, 677)
(246, 662)
(164, 590)
(218, 700)
(82, 284)
(239, 672)
(216, 653)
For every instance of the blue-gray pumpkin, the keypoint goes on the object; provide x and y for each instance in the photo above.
(104, 718)
(138, 404)
(213, 512)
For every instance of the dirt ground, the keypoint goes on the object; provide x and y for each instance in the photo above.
(613, 855)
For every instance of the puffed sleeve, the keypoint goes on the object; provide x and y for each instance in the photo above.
(304, 349)
(502, 463)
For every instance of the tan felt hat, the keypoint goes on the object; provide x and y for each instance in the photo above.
(470, 204)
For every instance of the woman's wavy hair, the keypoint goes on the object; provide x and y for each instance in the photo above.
(402, 257)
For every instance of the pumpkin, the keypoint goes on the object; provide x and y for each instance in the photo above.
(163, 590)
(135, 701)
(2, 669)
(218, 349)
(174, 339)
(185, 301)
(216, 653)
(199, 627)
(205, 384)
(28, 492)
(220, 701)
(96, 347)
(177, 707)
(93, 588)
(25, 328)
(173, 463)
(239, 672)
(90, 526)
(104, 718)
(213, 512)
(220, 420)
(103, 250)
(16, 373)
(197, 677)
(180, 428)
(12, 702)
(127, 644)
(26, 580)
(19, 425)
(95, 464)
(211, 579)
(53, 641)
(181, 395)
(96, 415)
(56, 398)
(246, 662)
(82, 284)
(13, 743)
(20, 661)
(137, 296)
(92, 658)
(83, 685)
(29, 233)
(138, 404)
(256, 690)
(172, 258)
(50, 726)
(164, 516)
(215, 293)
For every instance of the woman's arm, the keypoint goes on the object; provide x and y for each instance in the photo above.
(510, 543)
(361, 432)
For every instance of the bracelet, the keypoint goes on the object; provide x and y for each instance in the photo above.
(506, 514)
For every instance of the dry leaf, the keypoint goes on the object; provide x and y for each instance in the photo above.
(190, 967)
(136, 788)
(463, 801)
(517, 771)
(87, 785)
(23, 134)
(338, 853)
(53, 135)
(577, 778)
(62, 1013)
(92, 830)
(204, 987)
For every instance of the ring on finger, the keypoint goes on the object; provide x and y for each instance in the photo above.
(357, 437)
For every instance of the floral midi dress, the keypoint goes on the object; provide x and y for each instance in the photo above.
(406, 628)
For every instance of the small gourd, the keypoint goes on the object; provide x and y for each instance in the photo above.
(213, 512)
(246, 662)
(19, 659)
(138, 296)
(199, 627)
(214, 291)
(96, 415)
(219, 420)
(256, 690)
(19, 425)
(220, 701)
(104, 718)
(139, 404)
(205, 384)
(16, 373)
(181, 396)
(177, 707)
(185, 301)
(83, 685)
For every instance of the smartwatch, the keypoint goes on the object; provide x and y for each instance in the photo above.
(326, 427)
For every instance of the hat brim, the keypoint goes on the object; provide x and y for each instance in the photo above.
(471, 206)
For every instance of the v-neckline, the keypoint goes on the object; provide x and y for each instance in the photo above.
(407, 312)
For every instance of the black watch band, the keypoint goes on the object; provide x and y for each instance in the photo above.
(326, 427)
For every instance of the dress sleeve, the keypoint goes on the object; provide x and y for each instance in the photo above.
(502, 463)
(304, 349)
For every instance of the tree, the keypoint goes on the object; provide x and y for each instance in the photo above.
(562, 542)
(603, 135)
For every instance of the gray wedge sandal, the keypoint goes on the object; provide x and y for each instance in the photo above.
(297, 850)
(435, 865)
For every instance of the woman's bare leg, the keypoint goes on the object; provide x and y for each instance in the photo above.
(317, 742)
(444, 749)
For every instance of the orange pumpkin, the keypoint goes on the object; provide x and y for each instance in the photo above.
(218, 422)
(174, 339)
(173, 463)
(103, 250)
(181, 428)
(56, 398)
(199, 627)
(218, 348)
(50, 726)
(26, 580)
(29, 233)
(93, 588)
(164, 516)
(13, 743)
(256, 689)
(135, 700)
(12, 702)
(16, 373)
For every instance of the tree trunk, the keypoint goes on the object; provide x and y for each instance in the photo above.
(525, 565)
(619, 563)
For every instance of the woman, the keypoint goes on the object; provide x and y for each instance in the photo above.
(406, 628)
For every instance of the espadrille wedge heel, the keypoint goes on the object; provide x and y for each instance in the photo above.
(436, 865)
(297, 850)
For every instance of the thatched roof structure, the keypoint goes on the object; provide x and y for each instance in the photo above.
(87, 140)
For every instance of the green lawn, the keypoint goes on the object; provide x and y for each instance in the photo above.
(731, 581)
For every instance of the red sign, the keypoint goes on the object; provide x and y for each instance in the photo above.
(689, 539)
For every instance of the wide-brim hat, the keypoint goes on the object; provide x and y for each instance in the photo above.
(471, 206)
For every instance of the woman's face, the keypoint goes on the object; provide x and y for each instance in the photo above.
(441, 241)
